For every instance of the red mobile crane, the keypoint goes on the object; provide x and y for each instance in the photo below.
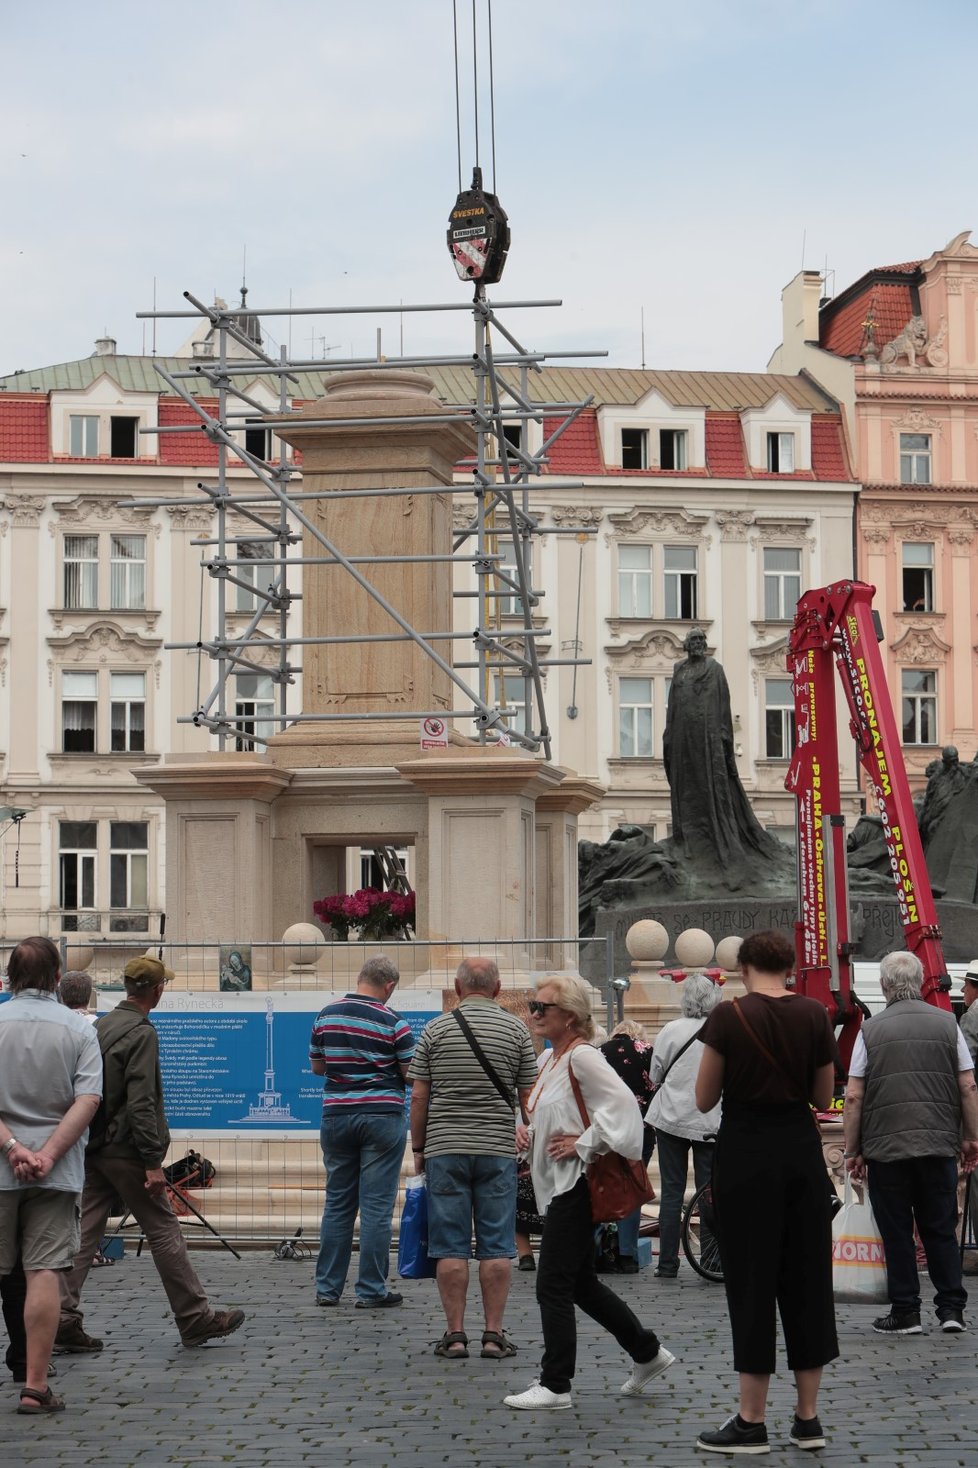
(837, 624)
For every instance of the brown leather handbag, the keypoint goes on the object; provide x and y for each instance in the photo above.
(618, 1185)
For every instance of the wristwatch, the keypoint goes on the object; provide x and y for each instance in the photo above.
(9, 1145)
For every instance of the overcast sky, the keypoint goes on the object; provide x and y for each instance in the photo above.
(673, 156)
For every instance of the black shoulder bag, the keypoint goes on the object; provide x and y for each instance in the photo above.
(487, 1064)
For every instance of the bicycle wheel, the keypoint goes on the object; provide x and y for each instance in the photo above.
(699, 1235)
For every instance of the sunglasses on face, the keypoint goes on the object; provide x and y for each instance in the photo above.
(536, 1007)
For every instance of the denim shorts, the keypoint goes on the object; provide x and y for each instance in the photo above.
(463, 1189)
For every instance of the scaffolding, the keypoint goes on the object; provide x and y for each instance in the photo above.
(263, 517)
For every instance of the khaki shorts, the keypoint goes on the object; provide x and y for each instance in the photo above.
(41, 1224)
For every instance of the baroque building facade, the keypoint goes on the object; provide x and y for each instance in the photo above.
(684, 499)
(899, 350)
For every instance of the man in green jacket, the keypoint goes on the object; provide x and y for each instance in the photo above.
(127, 1144)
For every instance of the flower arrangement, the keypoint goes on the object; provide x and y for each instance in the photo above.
(370, 913)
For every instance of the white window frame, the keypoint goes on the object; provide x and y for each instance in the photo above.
(636, 734)
(637, 446)
(127, 572)
(785, 585)
(679, 439)
(261, 571)
(680, 585)
(916, 461)
(781, 456)
(779, 719)
(253, 711)
(104, 702)
(636, 582)
(85, 859)
(80, 565)
(918, 706)
(917, 576)
(120, 582)
(87, 698)
(132, 704)
(131, 864)
(83, 435)
(501, 599)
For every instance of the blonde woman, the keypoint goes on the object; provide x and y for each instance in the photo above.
(559, 1148)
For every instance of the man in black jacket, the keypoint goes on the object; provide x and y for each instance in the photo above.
(128, 1142)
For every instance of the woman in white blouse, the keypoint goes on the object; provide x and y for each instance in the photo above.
(559, 1148)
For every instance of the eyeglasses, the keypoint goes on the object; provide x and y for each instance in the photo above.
(535, 1007)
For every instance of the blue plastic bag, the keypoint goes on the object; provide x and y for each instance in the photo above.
(412, 1244)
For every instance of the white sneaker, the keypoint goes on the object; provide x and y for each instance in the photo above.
(645, 1371)
(540, 1399)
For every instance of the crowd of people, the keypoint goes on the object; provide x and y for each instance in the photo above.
(502, 1110)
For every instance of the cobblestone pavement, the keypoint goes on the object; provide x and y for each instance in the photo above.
(350, 1388)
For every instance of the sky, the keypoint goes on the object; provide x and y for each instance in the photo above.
(683, 160)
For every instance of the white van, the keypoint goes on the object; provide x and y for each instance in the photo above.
(866, 983)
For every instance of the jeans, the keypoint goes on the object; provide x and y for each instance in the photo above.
(673, 1171)
(565, 1278)
(463, 1188)
(922, 1190)
(363, 1152)
(628, 1228)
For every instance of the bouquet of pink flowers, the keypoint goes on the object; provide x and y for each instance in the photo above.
(370, 913)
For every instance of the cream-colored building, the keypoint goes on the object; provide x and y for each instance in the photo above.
(709, 499)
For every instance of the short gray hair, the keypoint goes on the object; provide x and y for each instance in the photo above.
(575, 997)
(901, 976)
(75, 989)
(700, 995)
(478, 975)
(378, 971)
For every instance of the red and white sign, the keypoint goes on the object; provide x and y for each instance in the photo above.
(434, 734)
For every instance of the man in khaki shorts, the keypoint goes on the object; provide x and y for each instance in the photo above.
(50, 1086)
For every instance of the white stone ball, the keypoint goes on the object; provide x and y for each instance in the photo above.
(79, 956)
(647, 941)
(727, 952)
(306, 944)
(694, 948)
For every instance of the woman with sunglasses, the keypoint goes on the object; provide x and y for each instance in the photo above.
(559, 1148)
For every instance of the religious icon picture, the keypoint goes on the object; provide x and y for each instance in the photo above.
(235, 968)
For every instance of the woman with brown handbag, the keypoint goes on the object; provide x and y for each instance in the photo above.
(559, 1152)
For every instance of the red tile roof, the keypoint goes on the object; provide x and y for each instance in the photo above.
(844, 331)
(829, 458)
(578, 449)
(191, 448)
(726, 456)
(907, 268)
(23, 430)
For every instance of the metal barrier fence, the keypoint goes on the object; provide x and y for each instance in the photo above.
(234, 1030)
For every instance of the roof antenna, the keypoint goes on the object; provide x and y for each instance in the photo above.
(643, 338)
(804, 236)
(154, 315)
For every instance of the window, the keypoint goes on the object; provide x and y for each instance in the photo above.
(779, 718)
(127, 571)
(82, 436)
(672, 448)
(128, 876)
(77, 844)
(254, 707)
(918, 577)
(260, 575)
(502, 600)
(635, 718)
(915, 458)
(123, 437)
(634, 448)
(635, 581)
(781, 453)
(919, 706)
(509, 691)
(258, 441)
(782, 583)
(679, 563)
(79, 712)
(81, 572)
(128, 711)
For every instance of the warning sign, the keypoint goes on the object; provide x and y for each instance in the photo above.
(434, 734)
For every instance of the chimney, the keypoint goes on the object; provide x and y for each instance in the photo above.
(105, 346)
(800, 301)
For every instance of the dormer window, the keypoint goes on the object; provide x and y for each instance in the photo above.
(83, 436)
(634, 448)
(781, 453)
(123, 437)
(673, 448)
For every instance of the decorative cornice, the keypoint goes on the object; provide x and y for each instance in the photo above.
(190, 517)
(68, 616)
(104, 641)
(921, 645)
(100, 510)
(678, 521)
(876, 534)
(734, 524)
(25, 510)
(584, 515)
(769, 660)
(779, 527)
(917, 421)
(655, 647)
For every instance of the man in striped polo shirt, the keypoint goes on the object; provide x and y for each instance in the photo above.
(466, 1079)
(363, 1049)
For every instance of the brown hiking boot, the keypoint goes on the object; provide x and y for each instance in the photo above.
(221, 1323)
(72, 1339)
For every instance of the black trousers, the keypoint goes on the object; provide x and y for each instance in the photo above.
(566, 1277)
(775, 1236)
(922, 1190)
(13, 1294)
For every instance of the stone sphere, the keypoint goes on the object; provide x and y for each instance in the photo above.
(694, 948)
(647, 941)
(727, 951)
(305, 944)
(79, 956)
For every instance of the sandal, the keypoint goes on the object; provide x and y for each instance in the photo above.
(453, 1338)
(504, 1346)
(44, 1401)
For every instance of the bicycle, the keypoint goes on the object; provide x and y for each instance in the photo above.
(698, 1234)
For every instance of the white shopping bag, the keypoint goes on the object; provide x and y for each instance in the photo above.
(858, 1264)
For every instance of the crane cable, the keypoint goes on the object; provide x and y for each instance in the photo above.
(475, 90)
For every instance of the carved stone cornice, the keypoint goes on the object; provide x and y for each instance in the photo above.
(876, 534)
(190, 517)
(915, 420)
(587, 516)
(734, 524)
(463, 516)
(793, 529)
(102, 511)
(25, 510)
(641, 521)
(921, 645)
(62, 617)
(104, 642)
(656, 649)
(962, 537)
(769, 661)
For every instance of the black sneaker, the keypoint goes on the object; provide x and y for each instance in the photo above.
(382, 1302)
(951, 1319)
(807, 1434)
(732, 1437)
(898, 1322)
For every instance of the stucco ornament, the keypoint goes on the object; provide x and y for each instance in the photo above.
(911, 342)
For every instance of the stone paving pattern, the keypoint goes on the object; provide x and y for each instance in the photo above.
(346, 1388)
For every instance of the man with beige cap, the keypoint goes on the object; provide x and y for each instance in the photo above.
(128, 1140)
